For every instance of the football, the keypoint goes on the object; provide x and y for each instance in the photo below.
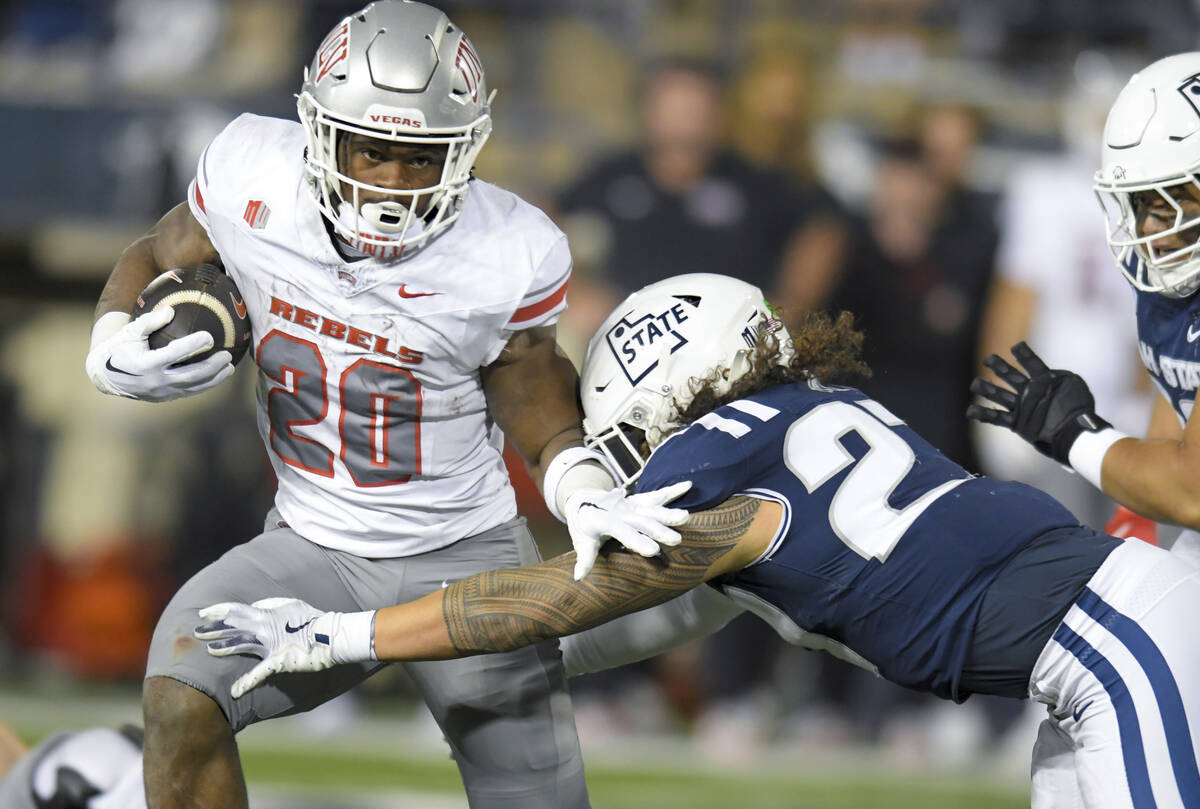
(204, 299)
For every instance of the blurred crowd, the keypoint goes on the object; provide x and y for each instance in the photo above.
(925, 164)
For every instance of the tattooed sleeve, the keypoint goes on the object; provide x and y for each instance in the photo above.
(505, 609)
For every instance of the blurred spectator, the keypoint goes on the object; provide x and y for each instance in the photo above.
(1057, 288)
(679, 202)
(948, 136)
(772, 101)
(915, 276)
(772, 104)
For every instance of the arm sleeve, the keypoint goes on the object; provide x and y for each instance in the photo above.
(224, 162)
(547, 295)
(695, 614)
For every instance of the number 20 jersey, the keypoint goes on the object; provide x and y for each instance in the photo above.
(886, 546)
(369, 393)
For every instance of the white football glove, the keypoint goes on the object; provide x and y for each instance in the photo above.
(637, 521)
(121, 362)
(288, 634)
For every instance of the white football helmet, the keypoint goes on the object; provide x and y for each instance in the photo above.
(401, 71)
(647, 359)
(1152, 144)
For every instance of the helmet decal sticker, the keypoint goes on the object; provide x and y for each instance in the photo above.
(638, 344)
(333, 51)
(469, 66)
(1190, 89)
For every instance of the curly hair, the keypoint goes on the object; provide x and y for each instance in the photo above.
(825, 347)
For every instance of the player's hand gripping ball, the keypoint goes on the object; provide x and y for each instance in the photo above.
(204, 299)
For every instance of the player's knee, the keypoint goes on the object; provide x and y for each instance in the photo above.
(172, 708)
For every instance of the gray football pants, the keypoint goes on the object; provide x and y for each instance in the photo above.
(506, 716)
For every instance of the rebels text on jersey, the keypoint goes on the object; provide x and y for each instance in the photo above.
(1169, 342)
(369, 393)
(886, 548)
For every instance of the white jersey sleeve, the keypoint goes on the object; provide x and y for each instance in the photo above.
(241, 139)
(547, 296)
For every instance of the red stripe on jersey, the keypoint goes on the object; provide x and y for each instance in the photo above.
(199, 198)
(541, 307)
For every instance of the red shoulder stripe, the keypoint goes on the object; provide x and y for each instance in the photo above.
(541, 307)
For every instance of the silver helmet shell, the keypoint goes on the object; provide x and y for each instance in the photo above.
(400, 71)
(647, 360)
(1152, 144)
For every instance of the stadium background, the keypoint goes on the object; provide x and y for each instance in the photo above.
(105, 505)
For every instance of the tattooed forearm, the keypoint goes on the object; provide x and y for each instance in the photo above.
(505, 609)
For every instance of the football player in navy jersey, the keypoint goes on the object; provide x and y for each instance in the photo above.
(817, 509)
(1149, 186)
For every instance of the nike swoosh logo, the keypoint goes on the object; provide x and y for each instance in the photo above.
(1079, 711)
(288, 627)
(1192, 335)
(403, 293)
(108, 364)
(239, 306)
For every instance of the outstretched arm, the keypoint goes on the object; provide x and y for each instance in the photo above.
(494, 611)
(1157, 476)
(648, 633)
(505, 609)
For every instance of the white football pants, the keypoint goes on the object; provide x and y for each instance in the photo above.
(1121, 679)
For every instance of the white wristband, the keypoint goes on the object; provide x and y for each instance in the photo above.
(107, 325)
(1087, 453)
(352, 637)
(570, 470)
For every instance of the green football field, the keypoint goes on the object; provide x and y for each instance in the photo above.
(387, 757)
(621, 788)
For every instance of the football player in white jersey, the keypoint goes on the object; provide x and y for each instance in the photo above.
(403, 315)
(1149, 188)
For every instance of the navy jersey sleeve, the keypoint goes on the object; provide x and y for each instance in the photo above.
(718, 465)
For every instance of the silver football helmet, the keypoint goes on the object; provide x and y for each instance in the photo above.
(1152, 146)
(401, 71)
(647, 360)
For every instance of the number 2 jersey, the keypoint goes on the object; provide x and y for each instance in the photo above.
(886, 548)
(370, 400)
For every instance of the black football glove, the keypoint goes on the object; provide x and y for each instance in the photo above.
(1047, 407)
